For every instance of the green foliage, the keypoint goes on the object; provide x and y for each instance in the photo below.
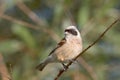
(24, 34)
(10, 46)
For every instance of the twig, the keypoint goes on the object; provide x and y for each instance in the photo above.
(30, 13)
(89, 25)
(10, 18)
(88, 68)
(29, 25)
(2, 6)
(62, 71)
(3, 70)
(69, 16)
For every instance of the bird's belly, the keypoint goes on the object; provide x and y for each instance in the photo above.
(66, 54)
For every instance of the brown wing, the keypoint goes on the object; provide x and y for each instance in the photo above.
(62, 42)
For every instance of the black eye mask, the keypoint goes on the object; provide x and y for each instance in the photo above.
(71, 31)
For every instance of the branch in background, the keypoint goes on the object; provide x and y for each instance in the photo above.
(69, 16)
(87, 67)
(36, 19)
(9, 18)
(30, 13)
(2, 7)
(29, 25)
(88, 27)
(3, 70)
(62, 71)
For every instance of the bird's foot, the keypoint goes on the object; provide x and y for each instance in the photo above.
(65, 67)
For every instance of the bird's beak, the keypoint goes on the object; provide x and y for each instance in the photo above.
(66, 33)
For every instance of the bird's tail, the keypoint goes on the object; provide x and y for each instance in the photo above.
(44, 63)
(41, 66)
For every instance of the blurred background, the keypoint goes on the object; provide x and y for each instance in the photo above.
(30, 29)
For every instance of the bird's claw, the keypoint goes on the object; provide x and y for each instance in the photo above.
(65, 67)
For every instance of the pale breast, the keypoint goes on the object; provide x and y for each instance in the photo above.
(68, 51)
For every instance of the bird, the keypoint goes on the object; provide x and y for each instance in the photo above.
(66, 50)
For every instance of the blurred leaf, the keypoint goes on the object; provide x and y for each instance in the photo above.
(10, 46)
(16, 75)
(58, 12)
(24, 34)
(83, 14)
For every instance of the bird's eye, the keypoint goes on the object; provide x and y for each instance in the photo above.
(71, 31)
(67, 30)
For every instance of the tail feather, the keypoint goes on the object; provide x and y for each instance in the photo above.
(44, 63)
(41, 66)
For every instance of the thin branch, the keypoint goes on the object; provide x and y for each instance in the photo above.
(62, 71)
(29, 25)
(69, 16)
(9, 18)
(2, 6)
(3, 70)
(89, 25)
(30, 13)
(88, 68)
